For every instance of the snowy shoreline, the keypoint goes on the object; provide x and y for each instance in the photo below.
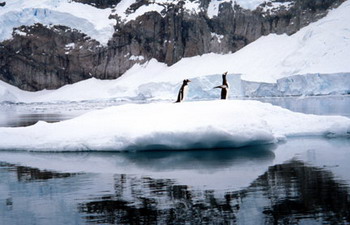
(201, 88)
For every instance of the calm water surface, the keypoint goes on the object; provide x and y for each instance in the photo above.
(302, 181)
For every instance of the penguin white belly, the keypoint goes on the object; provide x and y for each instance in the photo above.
(227, 90)
(184, 93)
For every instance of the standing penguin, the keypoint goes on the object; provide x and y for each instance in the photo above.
(224, 87)
(183, 90)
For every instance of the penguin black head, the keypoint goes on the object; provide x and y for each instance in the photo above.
(186, 81)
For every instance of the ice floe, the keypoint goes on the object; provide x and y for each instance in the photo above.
(189, 125)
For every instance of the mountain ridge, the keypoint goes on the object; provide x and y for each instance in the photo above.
(167, 33)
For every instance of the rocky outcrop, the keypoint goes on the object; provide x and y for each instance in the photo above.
(68, 56)
(39, 57)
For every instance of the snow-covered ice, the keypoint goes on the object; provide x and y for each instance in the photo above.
(201, 88)
(85, 18)
(300, 85)
(191, 125)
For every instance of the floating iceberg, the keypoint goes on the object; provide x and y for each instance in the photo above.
(189, 125)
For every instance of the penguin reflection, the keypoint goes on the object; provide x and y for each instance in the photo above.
(224, 87)
(183, 91)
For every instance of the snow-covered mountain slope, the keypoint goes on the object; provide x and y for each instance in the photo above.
(134, 32)
(321, 47)
(192, 125)
(88, 19)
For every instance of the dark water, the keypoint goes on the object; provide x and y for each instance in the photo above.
(320, 105)
(26, 114)
(302, 181)
(284, 184)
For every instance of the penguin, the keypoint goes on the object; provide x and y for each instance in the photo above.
(183, 90)
(224, 87)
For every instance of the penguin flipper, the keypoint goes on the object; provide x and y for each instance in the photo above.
(180, 96)
(221, 86)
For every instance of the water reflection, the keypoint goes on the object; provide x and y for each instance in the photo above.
(158, 201)
(23, 120)
(290, 193)
(32, 174)
(198, 159)
(301, 192)
(320, 105)
(33, 196)
(294, 192)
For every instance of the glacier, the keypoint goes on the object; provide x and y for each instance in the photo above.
(300, 85)
(164, 126)
(201, 88)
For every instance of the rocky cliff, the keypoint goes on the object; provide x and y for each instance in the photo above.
(39, 57)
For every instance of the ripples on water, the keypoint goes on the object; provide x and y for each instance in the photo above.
(290, 193)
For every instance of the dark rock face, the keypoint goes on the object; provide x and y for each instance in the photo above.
(38, 57)
(45, 58)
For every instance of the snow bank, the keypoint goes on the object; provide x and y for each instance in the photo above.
(192, 125)
(201, 88)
